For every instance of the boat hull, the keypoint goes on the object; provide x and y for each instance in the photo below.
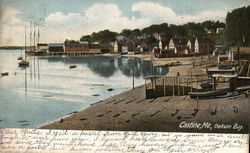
(213, 93)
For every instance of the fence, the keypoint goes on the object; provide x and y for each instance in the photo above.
(158, 86)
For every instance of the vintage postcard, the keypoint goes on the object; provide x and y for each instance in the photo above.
(108, 66)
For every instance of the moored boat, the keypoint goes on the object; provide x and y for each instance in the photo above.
(20, 58)
(23, 63)
(212, 93)
(72, 66)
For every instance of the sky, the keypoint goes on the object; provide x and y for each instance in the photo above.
(70, 19)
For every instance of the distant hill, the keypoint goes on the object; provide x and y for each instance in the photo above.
(14, 47)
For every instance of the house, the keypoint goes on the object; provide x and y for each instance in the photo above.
(163, 44)
(95, 48)
(219, 30)
(56, 48)
(76, 48)
(128, 46)
(182, 50)
(141, 47)
(190, 45)
(117, 46)
(105, 48)
(209, 30)
(175, 42)
(158, 36)
(203, 46)
(43, 47)
(124, 45)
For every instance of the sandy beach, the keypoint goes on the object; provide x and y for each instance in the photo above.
(130, 111)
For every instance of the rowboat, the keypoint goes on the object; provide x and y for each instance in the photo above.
(4, 73)
(243, 88)
(72, 66)
(213, 93)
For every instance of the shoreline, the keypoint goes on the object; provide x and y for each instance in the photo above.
(130, 111)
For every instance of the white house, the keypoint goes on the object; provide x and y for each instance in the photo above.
(219, 30)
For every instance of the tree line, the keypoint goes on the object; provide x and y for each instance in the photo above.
(236, 29)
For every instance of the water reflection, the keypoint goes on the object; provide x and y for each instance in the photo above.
(108, 66)
(48, 89)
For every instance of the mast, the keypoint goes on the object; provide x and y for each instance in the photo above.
(30, 34)
(34, 35)
(24, 41)
(38, 35)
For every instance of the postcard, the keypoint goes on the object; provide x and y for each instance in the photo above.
(124, 76)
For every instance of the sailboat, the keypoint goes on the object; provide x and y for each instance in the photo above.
(21, 57)
(25, 62)
(34, 51)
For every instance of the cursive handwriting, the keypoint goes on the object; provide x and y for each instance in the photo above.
(37, 140)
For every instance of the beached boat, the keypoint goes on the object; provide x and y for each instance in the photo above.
(4, 73)
(213, 93)
(243, 88)
(72, 66)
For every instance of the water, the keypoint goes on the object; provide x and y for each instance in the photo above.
(49, 90)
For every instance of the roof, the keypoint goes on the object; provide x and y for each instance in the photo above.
(204, 40)
(192, 40)
(105, 45)
(223, 56)
(76, 44)
(55, 44)
(179, 41)
(164, 42)
(94, 46)
(42, 44)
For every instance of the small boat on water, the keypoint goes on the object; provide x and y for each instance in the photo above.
(213, 93)
(20, 58)
(4, 73)
(72, 66)
(24, 63)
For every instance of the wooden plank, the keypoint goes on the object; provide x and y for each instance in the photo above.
(248, 71)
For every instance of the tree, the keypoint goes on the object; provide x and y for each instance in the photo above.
(237, 27)
(136, 32)
(179, 31)
(87, 38)
(104, 36)
(151, 42)
(126, 32)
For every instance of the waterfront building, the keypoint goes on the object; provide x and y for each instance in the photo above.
(94, 48)
(105, 48)
(56, 48)
(204, 46)
(76, 48)
(43, 47)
